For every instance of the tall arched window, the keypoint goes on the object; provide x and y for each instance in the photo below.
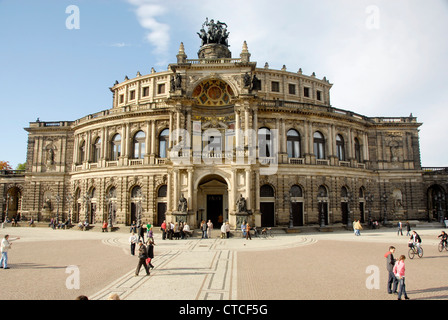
(293, 144)
(340, 148)
(319, 145)
(139, 145)
(163, 143)
(115, 147)
(264, 142)
(358, 157)
(96, 150)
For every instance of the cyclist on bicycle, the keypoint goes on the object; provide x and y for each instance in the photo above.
(416, 240)
(443, 237)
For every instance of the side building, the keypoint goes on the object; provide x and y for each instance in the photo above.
(217, 138)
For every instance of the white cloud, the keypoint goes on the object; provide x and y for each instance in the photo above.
(158, 35)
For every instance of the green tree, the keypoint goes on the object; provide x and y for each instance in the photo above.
(21, 166)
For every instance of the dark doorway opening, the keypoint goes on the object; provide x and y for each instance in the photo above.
(214, 208)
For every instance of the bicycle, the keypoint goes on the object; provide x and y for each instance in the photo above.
(267, 232)
(442, 245)
(415, 250)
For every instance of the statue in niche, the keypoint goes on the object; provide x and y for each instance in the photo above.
(182, 205)
(50, 156)
(241, 204)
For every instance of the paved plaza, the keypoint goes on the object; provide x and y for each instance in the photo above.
(63, 264)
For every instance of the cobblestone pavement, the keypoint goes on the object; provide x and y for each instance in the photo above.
(46, 264)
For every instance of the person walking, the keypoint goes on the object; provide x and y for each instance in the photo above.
(204, 229)
(142, 256)
(133, 241)
(400, 228)
(228, 229)
(248, 231)
(163, 228)
(392, 281)
(243, 228)
(399, 271)
(209, 228)
(151, 245)
(5, 246)
(408, 228)
(358, 227)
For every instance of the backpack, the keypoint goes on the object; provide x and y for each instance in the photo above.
(387, 254)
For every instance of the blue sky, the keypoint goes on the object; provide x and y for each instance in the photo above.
(384, 58)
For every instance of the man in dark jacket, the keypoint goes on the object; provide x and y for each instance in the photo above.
(142, 256)
(392, 281)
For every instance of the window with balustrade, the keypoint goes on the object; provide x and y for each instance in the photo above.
(293, 144)
(340, 148)
(115, 147)
(319, 145)
(139, 145)
(163, 143)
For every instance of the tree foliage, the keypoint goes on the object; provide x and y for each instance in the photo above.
(4, 165)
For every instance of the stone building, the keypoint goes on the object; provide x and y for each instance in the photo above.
(219, 138)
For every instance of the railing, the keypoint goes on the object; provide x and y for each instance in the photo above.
(12, 172)
(296, 160)
(435, 170)
(322, 162)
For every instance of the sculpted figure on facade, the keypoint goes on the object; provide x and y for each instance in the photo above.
(182, 206)
(241, 204)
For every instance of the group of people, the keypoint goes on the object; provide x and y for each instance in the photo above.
(400, 228)
(396, 268)
(206, 228)
(176, 230)
(145, 252)
(54, 223)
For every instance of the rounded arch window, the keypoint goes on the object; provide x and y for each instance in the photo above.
(296, 191)
(266, 191)
(340, 148)
(319, 145)
(139, 145)
(293, 144)
(115, 147)
(162, 192)
(163, 143)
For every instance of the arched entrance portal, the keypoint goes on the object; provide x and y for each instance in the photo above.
(212, 199)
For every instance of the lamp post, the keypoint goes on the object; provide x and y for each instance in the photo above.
(69, 199)
(58, 198)
(288, 198)
(321, 200)
(384, 199)
(349, 199)
(369, 200)
(87, 199)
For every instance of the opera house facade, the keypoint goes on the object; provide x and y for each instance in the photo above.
(219, 138)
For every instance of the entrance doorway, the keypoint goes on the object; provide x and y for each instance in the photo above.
(212, 200)
(297, 214)
(215, 209)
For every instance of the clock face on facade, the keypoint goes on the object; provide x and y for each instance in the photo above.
(213, 93)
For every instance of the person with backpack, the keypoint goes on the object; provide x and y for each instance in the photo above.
(392, 281)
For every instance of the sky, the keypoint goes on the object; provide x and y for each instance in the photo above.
(384, 58)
